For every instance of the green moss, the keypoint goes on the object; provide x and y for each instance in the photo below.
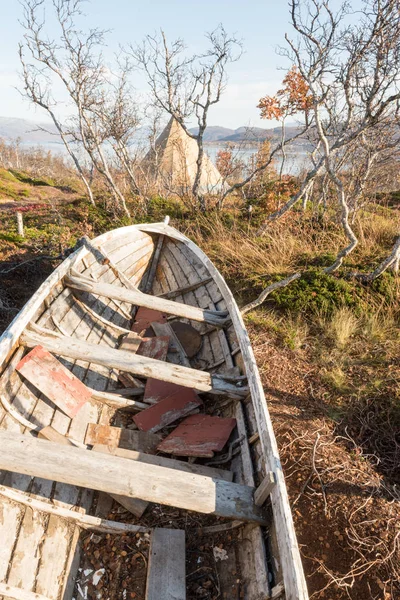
(11, 237)
(25, 178)
(316, 292)
(4, 174)
(387, 286)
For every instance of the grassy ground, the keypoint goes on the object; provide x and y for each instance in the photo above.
(327, 348)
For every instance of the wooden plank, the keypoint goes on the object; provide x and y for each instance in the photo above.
(10, 518)
(264, 489)
(49, 433)
(26, 556)
(116, 437)
(139, 365)
(131, 342)
(145, 317)
(122, 476)
(133, 505)
(174, 405)
(198, 435)
(154, 262)
(169, 463)
(54, 554)
(166, 570)
(58, 384)
(16, 593)
(166, 329)
(183, 290)
(137, 298)
(82, 520)
(155, 347)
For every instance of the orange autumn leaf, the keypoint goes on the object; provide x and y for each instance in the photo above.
(294, 97)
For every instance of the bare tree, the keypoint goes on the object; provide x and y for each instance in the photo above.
(352, 70)
(188, 86)
(75, 59)
(37, 86)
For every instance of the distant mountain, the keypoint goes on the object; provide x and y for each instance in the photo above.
(217, 134)
(29, 132)
(32, 134)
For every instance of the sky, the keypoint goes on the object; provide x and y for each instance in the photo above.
(260, 24)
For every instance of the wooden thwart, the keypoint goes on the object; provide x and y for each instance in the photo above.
(132, 363)
(138, 298)
(40, 458)
(166, 569)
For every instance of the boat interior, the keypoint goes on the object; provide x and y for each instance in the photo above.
(128, 355)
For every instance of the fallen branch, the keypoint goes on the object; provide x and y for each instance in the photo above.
(268, 290)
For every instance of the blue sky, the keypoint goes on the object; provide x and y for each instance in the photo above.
(261, 24)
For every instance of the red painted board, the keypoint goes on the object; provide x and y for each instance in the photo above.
(158, 390)
(171, 408)
(54, 380)
(146, 316)
(198, 435)
(155, 347)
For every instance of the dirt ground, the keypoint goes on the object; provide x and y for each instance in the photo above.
(346, 518)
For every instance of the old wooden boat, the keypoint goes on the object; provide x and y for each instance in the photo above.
(132, 409)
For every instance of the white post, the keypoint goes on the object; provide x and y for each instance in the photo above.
(20, 224)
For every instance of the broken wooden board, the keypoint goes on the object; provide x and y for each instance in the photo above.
(169, 463)
(188, 336)
(51, 434)
(115, 437)
(129, 381)
(154, 347)
(166, 574)
(39, 458)
(146, 316)
(198, 435)
(131, 342)
(133, 505)
(54, 380)
(176, 402)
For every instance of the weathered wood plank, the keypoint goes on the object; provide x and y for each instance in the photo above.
(139, 365)
(128, 478)
(137, 298)
(264, 489)
(80, 519)
(169, 463)
(166, 570)
(115, 437)
(133, 505)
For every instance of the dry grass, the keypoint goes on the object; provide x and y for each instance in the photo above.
(342, 327)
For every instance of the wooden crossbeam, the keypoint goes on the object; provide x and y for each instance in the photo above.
(107, 473)
(138, 298)
(133, 363)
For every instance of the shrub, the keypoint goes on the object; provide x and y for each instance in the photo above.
(317, 292)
